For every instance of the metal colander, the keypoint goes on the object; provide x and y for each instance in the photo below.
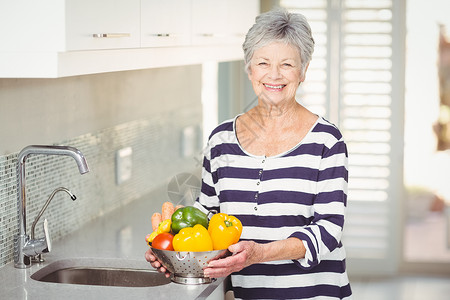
(187, 267)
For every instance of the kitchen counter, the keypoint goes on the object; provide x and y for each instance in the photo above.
(117, 236)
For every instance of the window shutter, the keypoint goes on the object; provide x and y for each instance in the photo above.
(355, 79)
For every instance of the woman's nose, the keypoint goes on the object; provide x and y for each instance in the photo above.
(274, 72)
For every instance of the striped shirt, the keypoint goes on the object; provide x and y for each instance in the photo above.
(299, 193)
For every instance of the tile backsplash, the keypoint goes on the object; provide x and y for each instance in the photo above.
(156, 159)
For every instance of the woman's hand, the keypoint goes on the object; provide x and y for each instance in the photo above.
(151, 258)
(245, 253)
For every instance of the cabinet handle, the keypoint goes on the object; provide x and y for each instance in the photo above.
(211, 35)
(221, 35)
(164, 34)
(110, 35)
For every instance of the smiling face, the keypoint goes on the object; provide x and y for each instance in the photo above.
(276, 72)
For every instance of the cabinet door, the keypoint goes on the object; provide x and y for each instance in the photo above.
(241, 17)
(165, 23)
(102, 24)
(209, 22)
(222, 22)
(27, 26)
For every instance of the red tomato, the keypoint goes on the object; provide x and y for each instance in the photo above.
(163, 241)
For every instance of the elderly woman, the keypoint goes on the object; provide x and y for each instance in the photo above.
(282, 170)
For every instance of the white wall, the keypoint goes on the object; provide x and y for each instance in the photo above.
(42, 111)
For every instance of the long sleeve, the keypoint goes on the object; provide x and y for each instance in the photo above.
(324, 233)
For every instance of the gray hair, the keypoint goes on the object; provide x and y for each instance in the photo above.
(279, 26)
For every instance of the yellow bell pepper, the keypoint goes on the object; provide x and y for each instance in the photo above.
(193, 239)
(164, 226)
(224, 230)
(149, 238)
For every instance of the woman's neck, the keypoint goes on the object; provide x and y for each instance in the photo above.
(284, 112)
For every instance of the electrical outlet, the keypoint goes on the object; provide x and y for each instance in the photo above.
(123, 165)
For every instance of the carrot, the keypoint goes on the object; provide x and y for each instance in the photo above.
(178, 206)
(156, 219)
(167, 210)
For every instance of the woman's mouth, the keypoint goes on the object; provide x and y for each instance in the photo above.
(274, 87)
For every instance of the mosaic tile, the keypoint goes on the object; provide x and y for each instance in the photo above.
(156, 159)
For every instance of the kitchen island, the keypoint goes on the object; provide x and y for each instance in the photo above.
(117, 238)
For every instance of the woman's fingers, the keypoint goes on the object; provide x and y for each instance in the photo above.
(225, 266)
(149, 256)
(220, 268)
(245, 253)
(217, 272)
(155, 263)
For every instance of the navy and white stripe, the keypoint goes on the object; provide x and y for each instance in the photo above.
(300, 193)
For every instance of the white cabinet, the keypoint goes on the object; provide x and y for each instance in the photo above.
(102, 24)
(32, 25)
(57, 38)
(209, 22)
(242, 16)
(222, 22)
(58, 25)
(165, 23)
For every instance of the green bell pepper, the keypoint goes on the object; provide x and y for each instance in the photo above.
(188, 216)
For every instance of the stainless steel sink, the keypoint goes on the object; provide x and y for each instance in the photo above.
(97, 272)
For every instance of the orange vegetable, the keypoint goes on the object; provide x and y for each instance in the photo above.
(225, 230)
(167, 210)
(179, 206)
(156, 219)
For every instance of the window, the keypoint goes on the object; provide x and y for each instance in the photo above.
(356, 80)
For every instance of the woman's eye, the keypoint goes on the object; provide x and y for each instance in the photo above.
(287, 65)
(262, 64)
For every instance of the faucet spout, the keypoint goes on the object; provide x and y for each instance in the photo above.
(60, 189)
(21, 260)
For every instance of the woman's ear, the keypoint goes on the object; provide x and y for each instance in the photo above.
(304, 74)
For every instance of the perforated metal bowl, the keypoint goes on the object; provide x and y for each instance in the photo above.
(187, 267)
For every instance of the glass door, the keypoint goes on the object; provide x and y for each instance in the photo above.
(427, 144)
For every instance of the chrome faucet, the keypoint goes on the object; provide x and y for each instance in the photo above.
(24, 247)
(45, 245)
